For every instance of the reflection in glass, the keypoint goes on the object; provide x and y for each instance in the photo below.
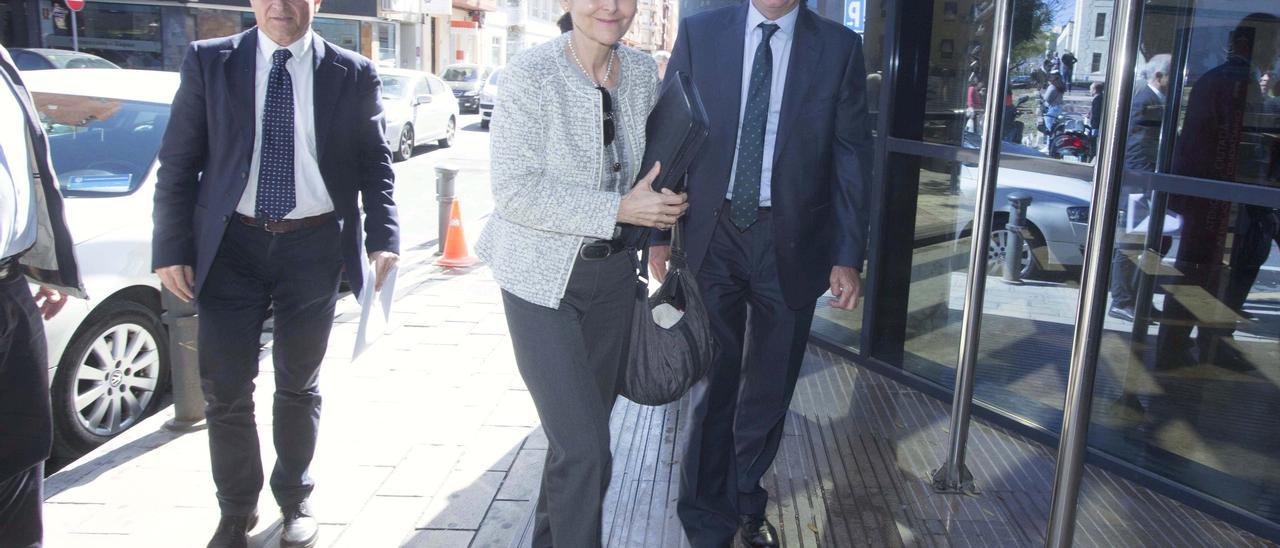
(939, 262)
(1053, 109)
(1188, 384)
(959, 51)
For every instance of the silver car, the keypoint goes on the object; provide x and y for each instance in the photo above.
(420, 109)
(488, 96)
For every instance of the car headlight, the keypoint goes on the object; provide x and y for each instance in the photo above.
(1078, 214)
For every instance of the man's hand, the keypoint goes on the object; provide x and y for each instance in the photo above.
(382, 263)
(179, 280)
(658, 257)
(846, 285)
(50, 301)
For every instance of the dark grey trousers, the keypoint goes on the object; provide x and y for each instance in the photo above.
(570, 358)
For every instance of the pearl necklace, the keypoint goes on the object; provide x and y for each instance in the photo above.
(608, 68)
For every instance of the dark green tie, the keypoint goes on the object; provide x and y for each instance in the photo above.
(746, 181)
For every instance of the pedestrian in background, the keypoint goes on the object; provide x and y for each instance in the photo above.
(1068, 62)
(275, 139)
(568, 136)
(776, 218)
(35, 246)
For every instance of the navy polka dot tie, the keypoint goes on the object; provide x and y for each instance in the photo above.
(745, 202)
(276, 196)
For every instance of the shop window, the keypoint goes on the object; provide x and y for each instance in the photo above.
(126, 34)
(1100, 26)
(346, 34)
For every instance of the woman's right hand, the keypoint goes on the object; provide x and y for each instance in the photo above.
(644, 207)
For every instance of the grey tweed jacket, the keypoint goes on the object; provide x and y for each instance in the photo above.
(547, 152)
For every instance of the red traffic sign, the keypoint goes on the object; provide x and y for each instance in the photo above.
(75, 5)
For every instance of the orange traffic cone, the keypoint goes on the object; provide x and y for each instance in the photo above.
(455, 243)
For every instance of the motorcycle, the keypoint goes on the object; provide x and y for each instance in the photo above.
(1069, 137)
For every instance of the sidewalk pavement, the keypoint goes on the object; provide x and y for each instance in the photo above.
(425, 440)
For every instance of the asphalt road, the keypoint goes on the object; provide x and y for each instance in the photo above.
(415, 192)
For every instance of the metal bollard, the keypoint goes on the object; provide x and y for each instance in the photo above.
(1017, 230)
(188, 398)
(446, 178)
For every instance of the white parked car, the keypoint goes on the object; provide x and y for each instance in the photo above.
(108, 356)
(420, 109)
(489, 96)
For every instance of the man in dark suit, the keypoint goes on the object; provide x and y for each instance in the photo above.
(35, 246)
(275, 139)
(776, 218)
(1146, 115)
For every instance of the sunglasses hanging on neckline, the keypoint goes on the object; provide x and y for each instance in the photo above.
(606, 102)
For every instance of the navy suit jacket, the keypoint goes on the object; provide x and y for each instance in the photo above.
(822, 159)
(208, 146)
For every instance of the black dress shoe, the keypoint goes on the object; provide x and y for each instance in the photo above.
(233, 531)
(757, 532)
(1122, 313)
(300, 528)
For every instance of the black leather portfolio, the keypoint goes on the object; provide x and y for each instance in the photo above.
(676, 130)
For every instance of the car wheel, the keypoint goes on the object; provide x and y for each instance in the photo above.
(449, 133)
(110, 377)
(404, 150)
(996, 253)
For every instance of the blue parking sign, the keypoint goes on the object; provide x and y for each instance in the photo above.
(854, 16)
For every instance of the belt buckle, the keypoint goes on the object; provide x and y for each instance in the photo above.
(265, 224)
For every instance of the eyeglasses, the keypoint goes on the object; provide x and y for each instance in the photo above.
(607, 103)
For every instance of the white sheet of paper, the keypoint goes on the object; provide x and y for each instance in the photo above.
(1172, 221)
(373, 326)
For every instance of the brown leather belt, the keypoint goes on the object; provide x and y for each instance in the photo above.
(286, 226)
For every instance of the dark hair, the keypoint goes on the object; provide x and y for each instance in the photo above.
(565, 22)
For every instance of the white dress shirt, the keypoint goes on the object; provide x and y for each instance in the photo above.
(1156, 90)
(781, 46)
(312, 196)
(17, 201)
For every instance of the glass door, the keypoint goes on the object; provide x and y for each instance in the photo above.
(1188, 383)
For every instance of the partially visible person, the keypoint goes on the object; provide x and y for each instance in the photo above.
(568, 136)
(1265, 85)
(1052, 100)
(777, 217)
(275, 142)
(1210, 147)
(1097, 100)
(35, 247)
(1142, 142)
(1068, 62)
(975, 99)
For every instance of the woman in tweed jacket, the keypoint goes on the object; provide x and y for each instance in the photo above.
(567, 140)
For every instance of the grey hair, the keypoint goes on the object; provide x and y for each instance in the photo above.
(1157, 64)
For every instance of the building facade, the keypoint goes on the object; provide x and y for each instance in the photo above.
(655, 25)
(154, 35)
(1088, 37)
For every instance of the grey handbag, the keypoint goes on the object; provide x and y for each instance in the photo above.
(671, 346)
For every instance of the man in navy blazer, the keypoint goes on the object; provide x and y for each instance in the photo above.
(776, 218)
(275, 140)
